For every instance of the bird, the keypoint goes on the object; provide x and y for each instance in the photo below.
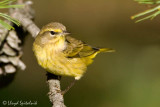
(61, 54)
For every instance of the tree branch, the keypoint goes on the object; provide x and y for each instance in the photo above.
(55, 95)
(25, 17)
(53, 81)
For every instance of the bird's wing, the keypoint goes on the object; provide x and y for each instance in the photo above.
(77, 48)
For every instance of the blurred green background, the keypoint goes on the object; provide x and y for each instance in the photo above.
(130, 77)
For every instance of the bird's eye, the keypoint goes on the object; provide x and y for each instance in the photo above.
(52, 32)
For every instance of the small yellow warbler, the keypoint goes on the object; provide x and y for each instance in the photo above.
(61, 54)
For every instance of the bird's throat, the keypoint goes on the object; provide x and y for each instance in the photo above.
(59, 45)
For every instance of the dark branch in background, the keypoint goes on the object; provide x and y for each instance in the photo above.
(25, 16)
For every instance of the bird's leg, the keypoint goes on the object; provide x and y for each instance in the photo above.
(52, 76)
(69, 86)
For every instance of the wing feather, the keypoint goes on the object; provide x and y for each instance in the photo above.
(77, 48)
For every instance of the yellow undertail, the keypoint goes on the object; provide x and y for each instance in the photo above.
(101, 50)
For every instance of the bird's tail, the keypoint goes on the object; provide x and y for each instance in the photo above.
(99, 50)
(106, 50)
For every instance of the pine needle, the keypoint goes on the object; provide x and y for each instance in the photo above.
(7, 4)
(6, 25)
(148, 14)
(148, 1)
(10, 18)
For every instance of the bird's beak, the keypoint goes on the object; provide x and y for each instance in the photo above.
(66, 33)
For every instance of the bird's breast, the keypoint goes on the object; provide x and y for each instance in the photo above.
(54, 60)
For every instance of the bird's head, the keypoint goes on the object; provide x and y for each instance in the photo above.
(52, 32)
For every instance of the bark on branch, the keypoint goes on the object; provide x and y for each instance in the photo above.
(55, 95)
